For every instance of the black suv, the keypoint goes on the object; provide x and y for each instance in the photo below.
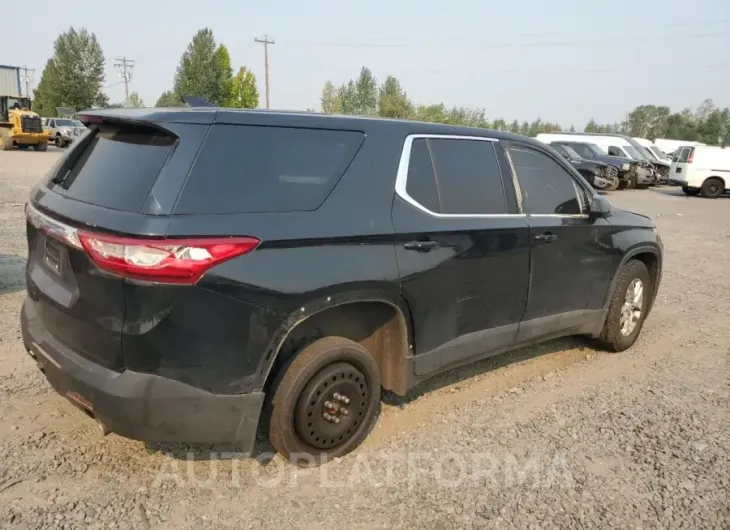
(191, 268)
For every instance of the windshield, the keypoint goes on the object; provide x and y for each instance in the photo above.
(633, 153)
(571, 152)
(658, 152)
(65, 123)
(648, 155)
(18, 103)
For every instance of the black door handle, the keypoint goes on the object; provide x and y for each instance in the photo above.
(421, 246)
(545, 238)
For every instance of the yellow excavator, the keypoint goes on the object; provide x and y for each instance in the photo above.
(19, 126)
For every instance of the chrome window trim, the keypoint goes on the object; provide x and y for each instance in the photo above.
(401, 179)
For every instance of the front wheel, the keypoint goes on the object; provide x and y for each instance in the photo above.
(627, 309)
(42, 146)
(325, 402)
(692, 192)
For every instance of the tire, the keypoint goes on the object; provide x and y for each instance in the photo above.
(43, 146)
(692, 192)
(58, 141)
(301, 401)
(22, 147)
(631, 184)
(612, 337)
(712, 188)
(6, 143)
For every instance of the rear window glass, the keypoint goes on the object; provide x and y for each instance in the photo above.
(115, 167)
(243, 168)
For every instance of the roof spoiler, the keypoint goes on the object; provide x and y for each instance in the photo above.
(197, 102)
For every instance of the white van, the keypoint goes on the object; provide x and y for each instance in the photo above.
(670, 146)
(654, 151)
(613, 145)
(702, 170)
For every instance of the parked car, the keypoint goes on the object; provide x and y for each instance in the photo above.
(599, 175)
(629, 170)
(63, 131)
(652, 147)
(298, 263)
(702, 170)
(614, 145)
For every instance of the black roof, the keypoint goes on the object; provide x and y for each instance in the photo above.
(315, 120)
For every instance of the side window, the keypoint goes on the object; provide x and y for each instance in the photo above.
(468, 176)
(421, 183)
(683, 155)
(614, 151)
(51, 124)
(583, 150)
(547, 188)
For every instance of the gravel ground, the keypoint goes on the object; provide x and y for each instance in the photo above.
(556, 436)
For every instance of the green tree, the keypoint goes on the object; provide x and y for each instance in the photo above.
(514, 127)
(431, 113)
(393, 101)
(73, 76)
(135, 101)
(499, 125)
(347, 96)
(169, 99)
(366, 93)
(204, 70)
(330, 100)
(243, 93)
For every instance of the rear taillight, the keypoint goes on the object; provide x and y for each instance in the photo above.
(691, 155)
(164, 260)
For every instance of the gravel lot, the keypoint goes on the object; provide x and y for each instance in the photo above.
(555, 436)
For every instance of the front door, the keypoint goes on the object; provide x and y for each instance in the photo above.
(462, 249)
(571, 254)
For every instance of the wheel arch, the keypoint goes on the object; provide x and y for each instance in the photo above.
(380, 322)
(651, 256)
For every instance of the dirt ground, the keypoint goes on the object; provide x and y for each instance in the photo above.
(559, 435)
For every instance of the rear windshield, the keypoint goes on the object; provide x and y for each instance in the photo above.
(114, 166)
(243, 168)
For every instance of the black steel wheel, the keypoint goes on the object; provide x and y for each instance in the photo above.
(332, 406)
(324, 401)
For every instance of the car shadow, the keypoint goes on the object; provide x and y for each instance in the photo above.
(12, 274)
(677, 192)
(263, 451)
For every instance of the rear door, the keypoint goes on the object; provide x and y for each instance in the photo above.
(571, 255)
(462, 248)
(678, 171)
(101, 186)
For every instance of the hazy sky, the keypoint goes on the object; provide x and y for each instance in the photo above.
(563, 60)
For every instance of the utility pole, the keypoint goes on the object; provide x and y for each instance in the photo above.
(124, 67)
(27, 78)
(265, 41)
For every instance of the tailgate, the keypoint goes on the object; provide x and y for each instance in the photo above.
(101, 187)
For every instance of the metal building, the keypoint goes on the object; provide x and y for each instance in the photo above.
(10, 81)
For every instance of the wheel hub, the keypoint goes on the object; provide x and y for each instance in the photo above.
(332, 406)
(632, 307)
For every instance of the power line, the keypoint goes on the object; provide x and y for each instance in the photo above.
(265, 41)
(537, 44)
(124, 67)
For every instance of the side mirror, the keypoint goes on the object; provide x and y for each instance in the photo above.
(600, 207)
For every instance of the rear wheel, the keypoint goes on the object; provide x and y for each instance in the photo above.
(712, 188)
(325, 402)
(6, 143)
(692, 192)
(22, 147)
(43, 146)
(628, 307)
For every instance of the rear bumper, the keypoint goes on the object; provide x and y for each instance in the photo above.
(142, 406)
